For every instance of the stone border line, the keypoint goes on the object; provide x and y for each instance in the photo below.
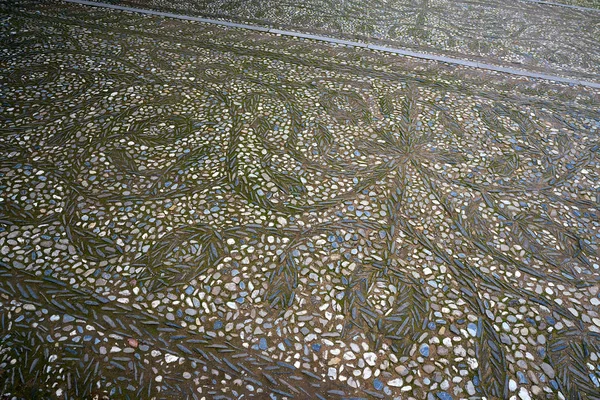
(402, 52)
(551, 3)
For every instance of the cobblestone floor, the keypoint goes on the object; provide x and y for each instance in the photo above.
(515, 33)
(197, 212)
(579, 3)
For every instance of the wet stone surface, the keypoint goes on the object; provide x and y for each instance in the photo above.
(193, 212)
(513, 33)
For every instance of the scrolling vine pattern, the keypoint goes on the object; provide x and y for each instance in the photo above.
(265, 217)
(516, 33)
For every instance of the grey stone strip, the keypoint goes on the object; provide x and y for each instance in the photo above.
(316, 37)
(491, 67)
(402, 52)
(551, 3)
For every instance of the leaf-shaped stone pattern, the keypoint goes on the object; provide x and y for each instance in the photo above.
(192, 211)
(526, 34)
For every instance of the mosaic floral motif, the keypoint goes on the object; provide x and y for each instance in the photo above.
(189, 211)
(515, 33)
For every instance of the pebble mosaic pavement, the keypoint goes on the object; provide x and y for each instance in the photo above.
(197, 212)
(577, 3)
(512, 33)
